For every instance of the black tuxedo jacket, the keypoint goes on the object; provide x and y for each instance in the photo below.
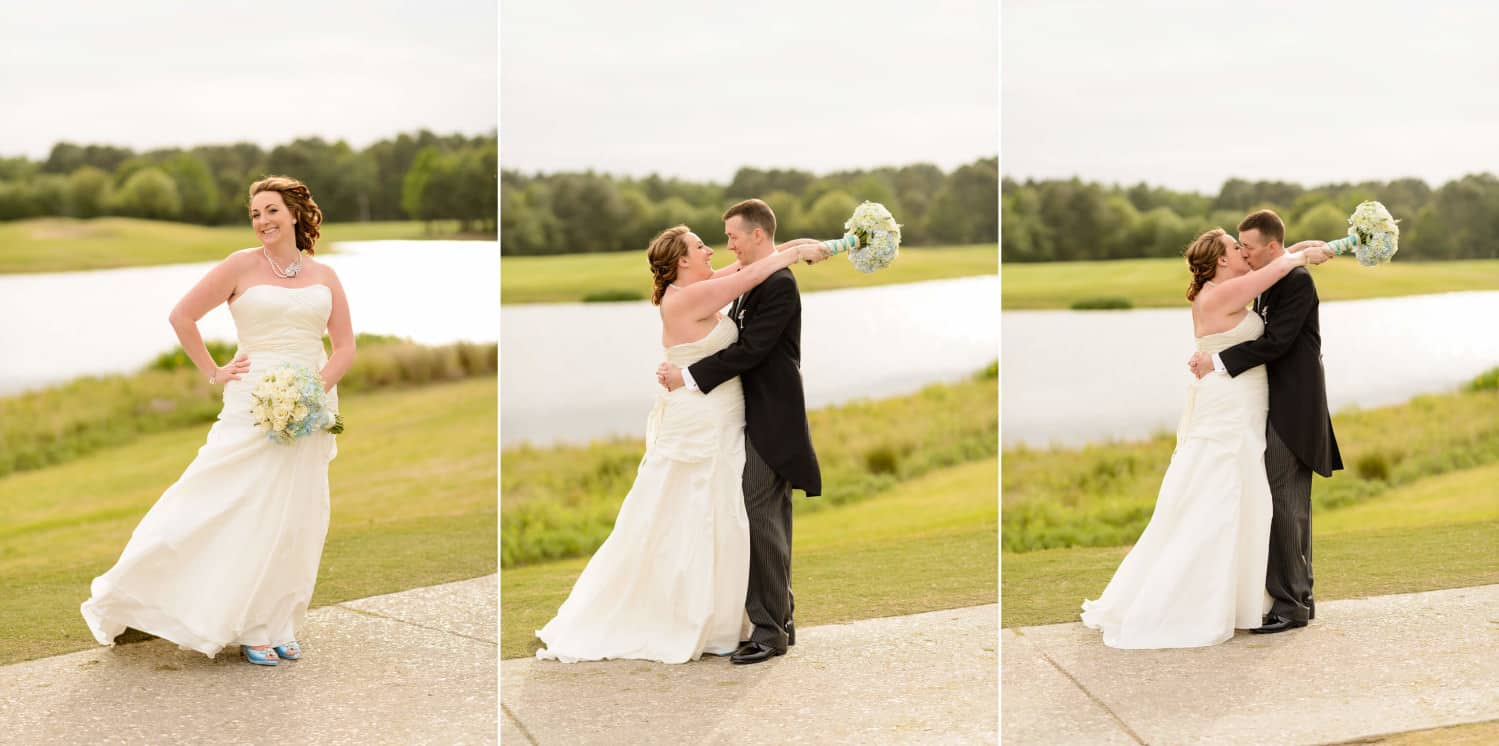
(767, 359)
(1291, 351)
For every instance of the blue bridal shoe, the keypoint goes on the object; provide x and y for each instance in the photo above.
(259, 657)
(290, 651)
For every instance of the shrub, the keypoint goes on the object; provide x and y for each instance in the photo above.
(60, 423)
(1101, 304)
(882, 460)
(613, 295)
(1488, 381)
(1373, 465)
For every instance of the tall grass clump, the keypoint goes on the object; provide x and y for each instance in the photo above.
(561, 501)
(1488, 381)
(59, 423)
(1103, 494)
(1106, 303)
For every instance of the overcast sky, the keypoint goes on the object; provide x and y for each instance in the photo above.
(697, 89)
(1188, 94)
(152, 73)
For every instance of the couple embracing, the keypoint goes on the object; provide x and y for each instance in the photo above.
(699, 560)
(1229, 544)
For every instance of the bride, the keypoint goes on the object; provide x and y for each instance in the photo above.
(229, 554)
(669, 583)
(1198, 570)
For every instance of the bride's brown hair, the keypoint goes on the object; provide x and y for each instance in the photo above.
(666, 248)
(298, 199)
(1202, 259)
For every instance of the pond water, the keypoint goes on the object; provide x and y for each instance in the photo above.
(575, 372)
(55, 327)
(1070, 377)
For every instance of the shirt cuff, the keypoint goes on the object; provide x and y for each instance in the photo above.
(687, 381)
(1217, 364)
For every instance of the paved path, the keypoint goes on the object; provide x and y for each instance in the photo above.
(406, 668)
(924, 678)
(1364, 667)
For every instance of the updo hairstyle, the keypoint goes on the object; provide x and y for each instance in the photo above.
(298, 199)
(664, 252)
(1202, 259)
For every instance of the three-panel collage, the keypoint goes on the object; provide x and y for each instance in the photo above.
(803, 371)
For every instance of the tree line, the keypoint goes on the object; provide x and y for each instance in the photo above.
(1070, 220)
(418, 176)
(564, 213)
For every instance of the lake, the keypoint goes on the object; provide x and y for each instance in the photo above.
(1071, 377)
(579, 371)
(63, 325)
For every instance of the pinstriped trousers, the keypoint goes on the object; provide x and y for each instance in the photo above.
(1288, 576)
(767, 500)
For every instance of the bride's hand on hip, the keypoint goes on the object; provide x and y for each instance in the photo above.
(233, 371)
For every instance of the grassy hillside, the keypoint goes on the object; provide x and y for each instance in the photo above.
(413, 504)
(70, 244)
(569, 278)
(1162, 283)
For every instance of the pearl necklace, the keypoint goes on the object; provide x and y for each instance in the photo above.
(291, 269)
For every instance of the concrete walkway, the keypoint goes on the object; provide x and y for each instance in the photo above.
(406, 668)
(1364, 667)
(924, 678)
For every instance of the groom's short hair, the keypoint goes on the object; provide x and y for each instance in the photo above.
(1267, 223)
(756, 213)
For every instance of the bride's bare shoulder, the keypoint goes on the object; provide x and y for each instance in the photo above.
(243, 258)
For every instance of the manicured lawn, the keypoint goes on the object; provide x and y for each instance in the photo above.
(1102, 495)
(560, 501)
(1438, 532)
(926, 545)
(1162, 283)
(569, 278)
(70, 244)
(413, 496)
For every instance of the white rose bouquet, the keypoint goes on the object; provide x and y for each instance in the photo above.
(289, 402)
(872, 239)
(1373, 235)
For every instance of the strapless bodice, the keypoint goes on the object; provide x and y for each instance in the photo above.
(1250, 327)
(723, 334)
(282, 324)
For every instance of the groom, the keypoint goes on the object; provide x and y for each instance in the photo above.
(777, 444)
(1298, 433)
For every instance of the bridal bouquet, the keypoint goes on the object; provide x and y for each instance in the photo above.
(872, 240)
(289, 402)
(1373, 235)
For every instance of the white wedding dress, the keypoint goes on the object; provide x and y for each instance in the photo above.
(1198, 570)
(229, 554)
(668, 584)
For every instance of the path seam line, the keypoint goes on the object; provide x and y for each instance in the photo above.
(518, 724)
(378, 615)
(1118, 720)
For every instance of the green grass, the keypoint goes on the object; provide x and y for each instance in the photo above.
(1102, 495)
(71, 244)
(57, 424)
(1162, 283)
(1427, 535)
(560, 501)
(926, 545)
(413, 504)
(569, 278)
